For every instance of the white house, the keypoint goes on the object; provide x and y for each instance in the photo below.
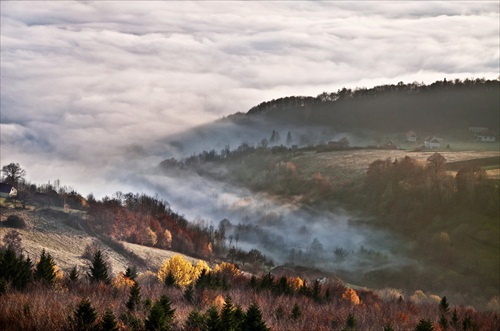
(486, 137)
(7, 190)
(411, 136)
(432, 142)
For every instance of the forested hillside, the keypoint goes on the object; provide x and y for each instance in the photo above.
(444, 106)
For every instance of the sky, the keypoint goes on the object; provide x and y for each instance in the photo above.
(86, 85)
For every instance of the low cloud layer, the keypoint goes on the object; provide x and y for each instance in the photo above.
(85, 84)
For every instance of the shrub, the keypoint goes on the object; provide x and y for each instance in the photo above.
(13, 240)
(14, 221)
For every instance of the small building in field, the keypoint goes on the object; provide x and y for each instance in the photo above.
(389, 145)
(486, 137)
(432, 142)
(7, 190)
(411, 136)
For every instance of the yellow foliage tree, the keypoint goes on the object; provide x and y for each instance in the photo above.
(351, 296)
(199, 267)
(227, 269)
(122, 282)
(219, 301)
(182, 270)
(296, 283)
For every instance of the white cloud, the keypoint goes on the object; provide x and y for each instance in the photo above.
(83, 80)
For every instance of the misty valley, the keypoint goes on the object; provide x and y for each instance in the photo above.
(361, 209)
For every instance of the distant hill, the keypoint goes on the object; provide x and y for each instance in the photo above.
(442, 108)
(443, 105)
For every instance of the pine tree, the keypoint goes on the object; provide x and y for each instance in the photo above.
(444, 307)
(161, 316)
(195, 321)
(239, 317)
(454, 319)
(467, 323)
(328, 295)
(170, 279)
(388, 327)
(14, 269)
(253, 319)
(84, 316)
(189, 294)
(131, 273)
(296, 312)
(74, 274)
(443, 322)
(227, 320)
(424, 325)
(108, 322)
(99, 269)
(316, 291)
(350, 323)
(212, 320)
(44, 269)
(134, 299)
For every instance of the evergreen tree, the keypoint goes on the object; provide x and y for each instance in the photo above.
(108, 322)
(189, 294)
(388, 327)
(424, 325)
(444, 307)
(227, 320)
(131, 273)
(443, 322)
(14, 269)
(134, 299)
(99, 269)
(44, 269)
(161, 316)
(467, 323)
(454, 319)
(328, 295)
(170, 279)
(195, 321)
(316, 291)
(3, 286)
(212, 320)
(296, 312)
(252, 283)
(253, 319)
(74, 274)
(239, 317)
(350, 323)
(84, 316)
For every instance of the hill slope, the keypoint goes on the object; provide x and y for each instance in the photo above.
(63, 235)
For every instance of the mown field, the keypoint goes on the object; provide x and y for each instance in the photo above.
(340, 165)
